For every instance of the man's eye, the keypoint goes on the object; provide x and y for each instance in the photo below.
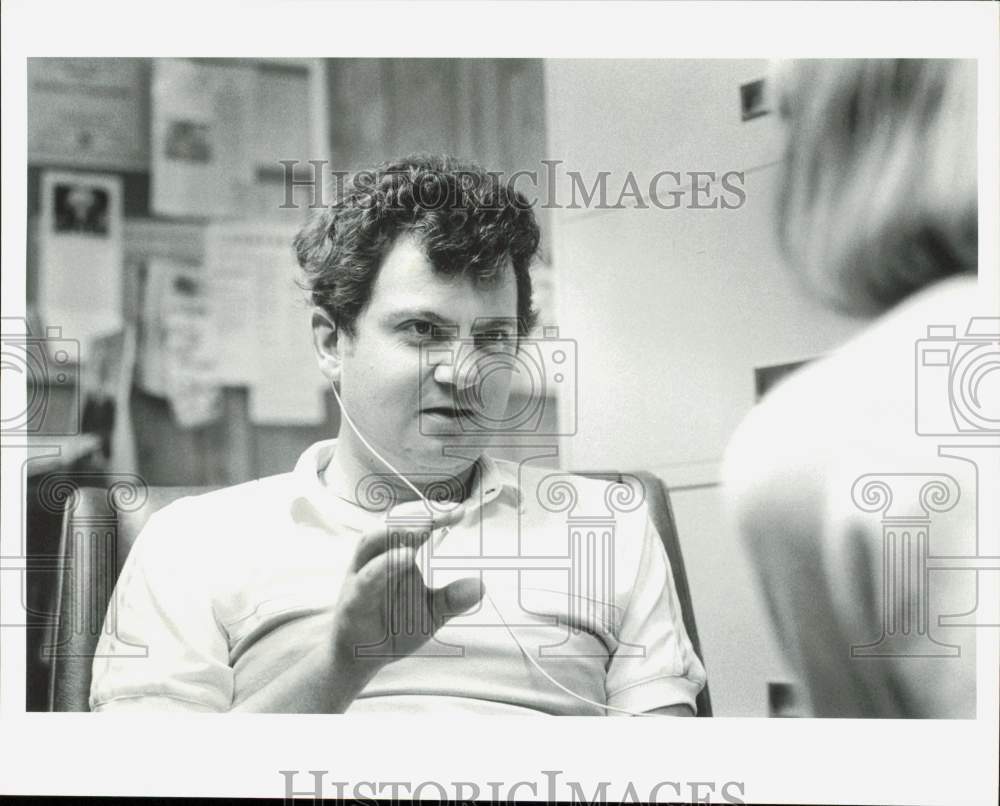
(422, 328)
(493, 338)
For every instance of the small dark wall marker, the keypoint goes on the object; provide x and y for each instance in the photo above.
(753, 103)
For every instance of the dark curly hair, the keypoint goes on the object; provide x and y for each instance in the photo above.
(468, 222)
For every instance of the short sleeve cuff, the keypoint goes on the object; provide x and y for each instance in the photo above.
(656, 692)
(148, 703)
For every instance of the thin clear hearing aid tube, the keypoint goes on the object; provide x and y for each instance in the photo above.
(525, 652)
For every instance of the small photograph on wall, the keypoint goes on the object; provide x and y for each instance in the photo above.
(80, 207)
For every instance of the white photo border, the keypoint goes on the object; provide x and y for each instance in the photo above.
(778, 761)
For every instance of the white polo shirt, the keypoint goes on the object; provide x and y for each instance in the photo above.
(228, 589)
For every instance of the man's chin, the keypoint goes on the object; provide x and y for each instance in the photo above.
(447, 454)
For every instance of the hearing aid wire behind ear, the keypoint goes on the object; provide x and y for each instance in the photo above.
(524, 651)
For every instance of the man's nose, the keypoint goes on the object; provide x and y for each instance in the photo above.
(454, 364)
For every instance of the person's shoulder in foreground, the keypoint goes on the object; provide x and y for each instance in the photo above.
(793, 476)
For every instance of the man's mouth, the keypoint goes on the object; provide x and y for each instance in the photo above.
(451, 412)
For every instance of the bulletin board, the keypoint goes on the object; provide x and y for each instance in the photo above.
(172, 156)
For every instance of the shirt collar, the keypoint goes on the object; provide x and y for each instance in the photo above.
(309, 489)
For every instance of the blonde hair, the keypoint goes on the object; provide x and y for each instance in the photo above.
(878, 194)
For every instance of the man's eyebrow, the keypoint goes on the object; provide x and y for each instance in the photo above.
(499, 321)
(418, 313)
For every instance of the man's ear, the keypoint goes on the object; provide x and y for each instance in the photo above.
(327, 345)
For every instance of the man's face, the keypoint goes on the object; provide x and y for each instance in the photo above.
(430, 358)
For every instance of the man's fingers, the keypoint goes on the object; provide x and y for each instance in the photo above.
(386, 567)
(455, 597)
(375, 543)
(406, 525)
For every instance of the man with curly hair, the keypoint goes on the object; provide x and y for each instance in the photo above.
(301, 599)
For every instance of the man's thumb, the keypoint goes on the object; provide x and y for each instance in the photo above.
(462, 594)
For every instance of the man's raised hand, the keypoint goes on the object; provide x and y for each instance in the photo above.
(385, 610)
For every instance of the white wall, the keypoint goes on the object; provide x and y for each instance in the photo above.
(671, 311)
